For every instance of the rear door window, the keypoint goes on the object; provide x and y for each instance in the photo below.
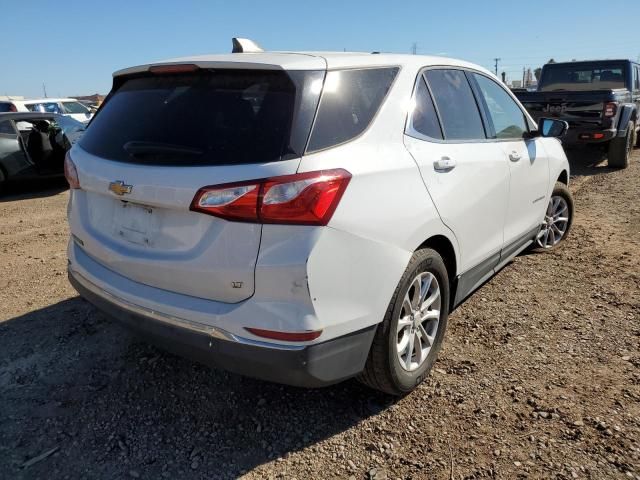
(350, 101)
(209, 117)
(424, 119)
(456, 104)
(74, 107)
(504, 113)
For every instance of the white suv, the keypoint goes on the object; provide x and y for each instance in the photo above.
(308, 217)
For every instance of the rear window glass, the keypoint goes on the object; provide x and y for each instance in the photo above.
(581, 77)
(350, 100)
(211, 117)
(7, 107)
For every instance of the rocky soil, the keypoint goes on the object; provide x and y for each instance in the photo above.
(539, 376)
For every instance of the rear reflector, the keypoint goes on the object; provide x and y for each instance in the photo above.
(70, 172)
(285, 336)
(300, 199)
(181, 68)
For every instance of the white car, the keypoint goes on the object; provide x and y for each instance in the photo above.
(308, 217)
(63, 106)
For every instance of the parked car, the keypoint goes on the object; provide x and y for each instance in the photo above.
(62, 106)
(306, 218)
(35, 144)
(600, 99)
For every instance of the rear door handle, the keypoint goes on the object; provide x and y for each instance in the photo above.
(444, 164)
(514, 156)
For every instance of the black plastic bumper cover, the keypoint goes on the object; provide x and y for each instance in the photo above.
(317, 365)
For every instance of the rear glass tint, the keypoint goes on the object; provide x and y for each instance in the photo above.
(7, 107)
(582, 76)
(211, 117)
(424, 118)
(350, 100)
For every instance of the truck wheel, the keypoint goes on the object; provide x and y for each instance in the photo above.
(620, 149)
(3, 181)
(409, 338)
(637, 142)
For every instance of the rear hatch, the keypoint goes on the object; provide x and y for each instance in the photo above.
(584, 108)
(158, 139)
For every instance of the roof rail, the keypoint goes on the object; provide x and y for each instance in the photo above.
(245, 45)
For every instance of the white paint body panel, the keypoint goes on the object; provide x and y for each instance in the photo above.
(338, 278)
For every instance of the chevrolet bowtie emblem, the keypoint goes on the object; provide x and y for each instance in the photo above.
(120, 188)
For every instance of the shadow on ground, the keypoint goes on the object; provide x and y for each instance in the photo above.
(37, 188)
(586, 162)
(115, 406)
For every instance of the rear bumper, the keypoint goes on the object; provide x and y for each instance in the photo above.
(585, 136)
(308, 366)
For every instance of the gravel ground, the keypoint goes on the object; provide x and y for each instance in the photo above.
(539, 376)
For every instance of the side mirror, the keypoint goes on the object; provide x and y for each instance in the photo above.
(550, 127)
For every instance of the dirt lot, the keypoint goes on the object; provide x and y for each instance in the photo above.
(539, 375)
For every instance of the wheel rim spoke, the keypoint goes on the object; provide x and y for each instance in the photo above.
(418, 321)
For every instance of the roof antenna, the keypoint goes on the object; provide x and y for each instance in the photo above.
(245, 45)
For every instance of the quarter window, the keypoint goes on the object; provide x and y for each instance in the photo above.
(456, 104)
(507, 118)
(424, 119)
(350, 100)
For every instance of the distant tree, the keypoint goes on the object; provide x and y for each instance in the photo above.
(551, 60)
(537, 72)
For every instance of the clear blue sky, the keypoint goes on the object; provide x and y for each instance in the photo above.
(74, 46)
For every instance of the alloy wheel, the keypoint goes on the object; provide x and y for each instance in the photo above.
(556, 222)
(418, 321)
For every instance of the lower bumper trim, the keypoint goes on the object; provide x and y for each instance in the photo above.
(309, 366)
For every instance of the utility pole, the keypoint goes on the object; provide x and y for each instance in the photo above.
(523, 78)
(44, 90)
(496, 68)
(414, 48)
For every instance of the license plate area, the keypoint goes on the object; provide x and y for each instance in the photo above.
(135, 223)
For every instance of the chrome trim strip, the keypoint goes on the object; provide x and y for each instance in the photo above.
(179, 322)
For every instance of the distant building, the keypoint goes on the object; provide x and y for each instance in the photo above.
(516, 84)
(11, 97)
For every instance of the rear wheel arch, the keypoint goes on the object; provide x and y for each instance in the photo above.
(564, 177)
(446, 250)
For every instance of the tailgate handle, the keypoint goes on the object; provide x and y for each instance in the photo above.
(444, 164)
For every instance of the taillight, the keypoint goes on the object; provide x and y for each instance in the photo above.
(70, 172)
(175, 68)
(610, 109)
(301, 199)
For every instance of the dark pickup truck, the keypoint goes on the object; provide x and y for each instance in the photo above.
(600, 100)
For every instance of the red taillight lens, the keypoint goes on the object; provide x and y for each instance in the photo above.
(300, 199)
(285, 336)
(610, 109)
(70, 172)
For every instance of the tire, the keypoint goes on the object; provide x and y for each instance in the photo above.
(3, 181)
(547, 238)
(637, 142)
(383, 370)
(620, 149)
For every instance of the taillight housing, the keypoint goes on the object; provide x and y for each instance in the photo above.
(301, 199)
(70, 172)
(610, 109)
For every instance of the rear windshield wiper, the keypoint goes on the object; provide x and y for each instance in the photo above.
(138, 148)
